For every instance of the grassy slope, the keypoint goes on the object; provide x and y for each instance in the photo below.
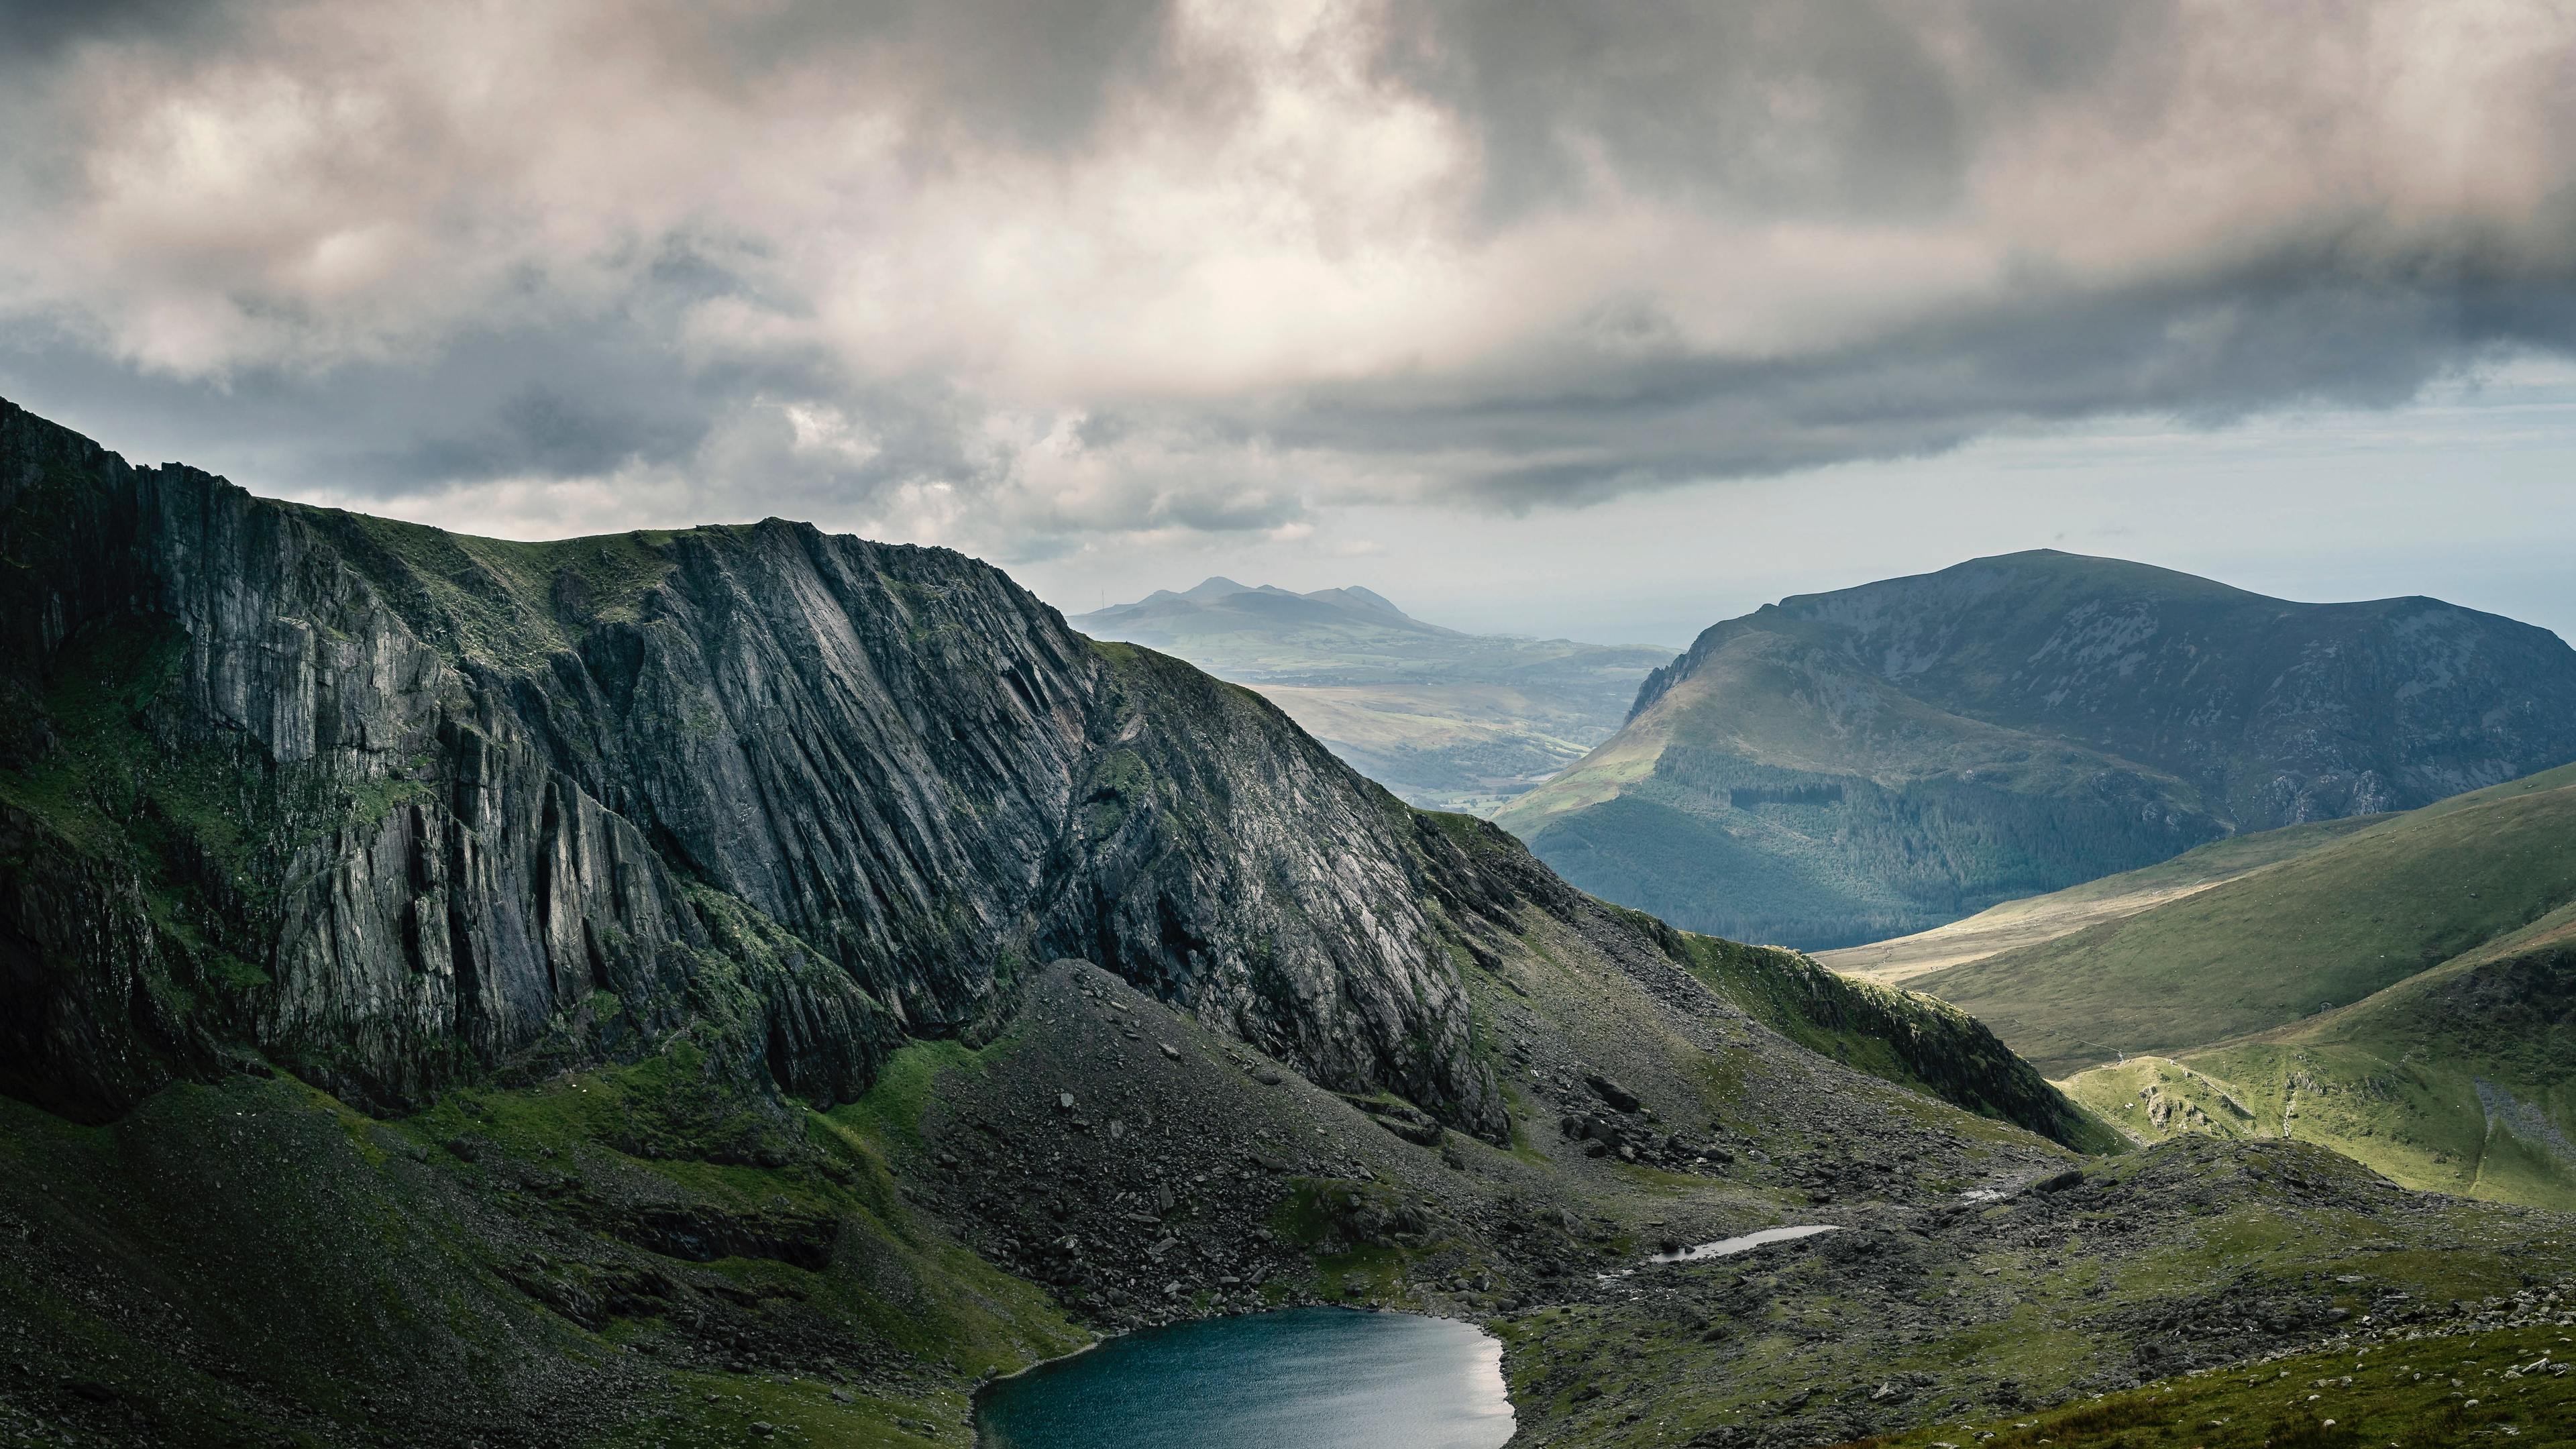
(251, 1260)
(502, 1247)
(1900, 1036)
(2460, 1079)
(253, 1253)
(2320, 930)
(2461, 1387)
(2033, 920)
(506, 599)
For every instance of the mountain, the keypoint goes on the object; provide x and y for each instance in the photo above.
(395, 807)
(1846, 767)
(611, 989)
(1219, 607)
(745, 985)
(392, 805)
(1446, 720)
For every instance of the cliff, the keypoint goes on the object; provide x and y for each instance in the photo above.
(390, 805)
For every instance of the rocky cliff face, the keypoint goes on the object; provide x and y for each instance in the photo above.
(390, 804)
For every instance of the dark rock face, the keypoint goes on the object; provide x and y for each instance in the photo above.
(389, 804)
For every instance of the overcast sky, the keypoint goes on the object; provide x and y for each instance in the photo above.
(1602, 320)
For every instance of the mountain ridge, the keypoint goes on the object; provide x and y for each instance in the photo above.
(1217, 589)
(541, 746)
(401, 807)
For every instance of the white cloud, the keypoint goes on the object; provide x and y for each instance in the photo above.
(1014, 279)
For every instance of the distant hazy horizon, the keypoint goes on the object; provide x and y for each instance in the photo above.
(2468, 495)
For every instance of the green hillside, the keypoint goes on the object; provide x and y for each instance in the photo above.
(2035, 919)
(2317, 931)
(2402, 990)
(2461, 1079)
(1848, 767)
(2397, 1386)
(1447, 720)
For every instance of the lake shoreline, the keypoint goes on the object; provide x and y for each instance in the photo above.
(1301, 1369)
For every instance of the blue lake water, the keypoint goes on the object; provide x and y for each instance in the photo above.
(1300, 1378)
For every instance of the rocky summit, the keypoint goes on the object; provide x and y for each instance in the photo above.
(747, 985)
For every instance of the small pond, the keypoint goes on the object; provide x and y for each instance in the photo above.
(1299, 1378)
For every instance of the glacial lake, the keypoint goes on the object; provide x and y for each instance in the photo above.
(1299, 1378)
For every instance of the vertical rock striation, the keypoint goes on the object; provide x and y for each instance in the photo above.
(389, 804)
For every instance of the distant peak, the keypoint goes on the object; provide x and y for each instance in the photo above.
(1223, 603)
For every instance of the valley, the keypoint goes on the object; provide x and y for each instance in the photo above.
(2393, 987)
(622, 827)
(747, 984)
(2036, 920)
(1447, 720)
(2320, 929)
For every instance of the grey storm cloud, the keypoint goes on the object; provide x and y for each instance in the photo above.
(40, 30)
(2210, 350)
(1844, 107)
(1015, 276)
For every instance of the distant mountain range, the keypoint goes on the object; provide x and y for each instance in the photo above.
(1262, 607)
(1848, 766)
(1445, 719)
